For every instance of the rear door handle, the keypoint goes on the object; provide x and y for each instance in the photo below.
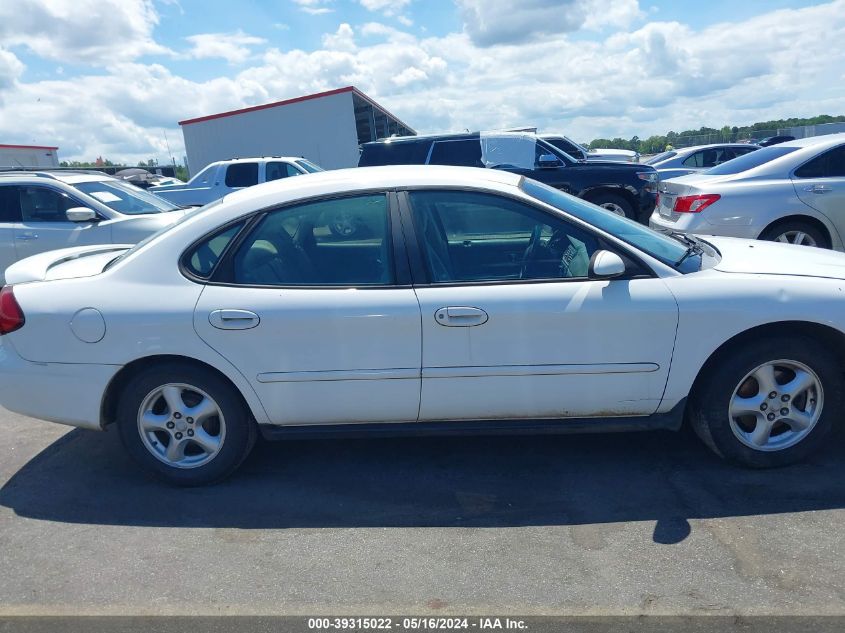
(233, 319)
(27, 236)
(818, 189)
(460, 316)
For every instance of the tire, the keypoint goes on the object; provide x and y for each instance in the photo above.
(789, 232)
(154, 410)
(614, 203)
(729, 388)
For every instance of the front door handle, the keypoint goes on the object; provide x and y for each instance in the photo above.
(233, 319)
(460, 316)
(818, 189)
(27, 236)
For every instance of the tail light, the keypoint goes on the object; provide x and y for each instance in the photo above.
(11, 315)
(694, 204)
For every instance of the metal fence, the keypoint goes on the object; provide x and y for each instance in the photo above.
(803, 131)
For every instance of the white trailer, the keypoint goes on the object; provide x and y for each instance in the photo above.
(28, 156)
(326, 128)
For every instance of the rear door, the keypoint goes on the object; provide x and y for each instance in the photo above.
(820, 183)
(513, 328)
(10, 217)
(45, 227)
(325, 326)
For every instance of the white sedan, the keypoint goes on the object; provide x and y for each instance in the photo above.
(470, 301)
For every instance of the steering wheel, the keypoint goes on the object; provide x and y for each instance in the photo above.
(528, 255)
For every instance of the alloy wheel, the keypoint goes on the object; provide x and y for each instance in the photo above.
(796, 237)
(613, 208)
(181, 425)
(776, 405)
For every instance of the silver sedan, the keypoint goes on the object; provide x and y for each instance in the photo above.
(689, 160)
(792, 192)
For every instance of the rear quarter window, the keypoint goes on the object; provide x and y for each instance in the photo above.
(203, 259)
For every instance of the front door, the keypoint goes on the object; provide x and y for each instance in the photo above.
(512, 326)
(315, 319)
(45, 227)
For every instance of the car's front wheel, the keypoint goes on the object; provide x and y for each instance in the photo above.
(769, 403)
(185, 424)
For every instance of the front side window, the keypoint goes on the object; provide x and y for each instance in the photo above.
(39, 204)
(278, 170)
(125, 198)
(341, 242)
(308, 166)
(830, 164)
(471, 237)
(242, 175)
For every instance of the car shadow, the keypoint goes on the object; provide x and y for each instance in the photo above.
(670, 478)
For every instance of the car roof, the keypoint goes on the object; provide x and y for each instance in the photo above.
(67, 177)
(695, 148)
(829, 139)
(257, 159)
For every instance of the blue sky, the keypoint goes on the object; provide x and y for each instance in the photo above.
(112, 77)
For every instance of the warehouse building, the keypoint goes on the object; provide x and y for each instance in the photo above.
(28, 156)
(326, 128)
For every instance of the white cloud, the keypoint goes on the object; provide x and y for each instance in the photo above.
(83, 31)
(235, 48)
(653, 78)
(490, 22)
(315, 7)
(389, 6)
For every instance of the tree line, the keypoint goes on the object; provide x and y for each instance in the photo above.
(727, 134)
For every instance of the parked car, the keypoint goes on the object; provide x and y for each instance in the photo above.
(226, 176)
(42, 211)
(625, 189)
(486, 302)
(579, 152)
(774, 140)
(790, 192)
(689, 160)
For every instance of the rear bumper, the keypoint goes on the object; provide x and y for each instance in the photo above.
(59, 392)
(697, 224)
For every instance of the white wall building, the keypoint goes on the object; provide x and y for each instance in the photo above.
(28, 156)
(325, 128)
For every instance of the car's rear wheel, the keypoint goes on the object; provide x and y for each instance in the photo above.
(614, 203)
(796, 232)
(185, 424)
(769, 403)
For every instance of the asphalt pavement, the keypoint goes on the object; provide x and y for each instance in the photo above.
(640, 523)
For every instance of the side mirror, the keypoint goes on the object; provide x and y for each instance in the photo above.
(606, 265)
(81, 214)
(548, 161)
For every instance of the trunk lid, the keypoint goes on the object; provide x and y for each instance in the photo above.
(65, 263)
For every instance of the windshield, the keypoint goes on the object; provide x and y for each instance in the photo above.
(662, 247)
(308, 166)
(751, 160)
(125, 198)
(660, 158)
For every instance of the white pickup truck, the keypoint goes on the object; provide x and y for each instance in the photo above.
(225, 176)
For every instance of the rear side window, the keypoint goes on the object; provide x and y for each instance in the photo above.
(203, 259)
(460, 153)
(340, 242)
(242, 175)
(10, 204)
(831, 164)
(394, 153)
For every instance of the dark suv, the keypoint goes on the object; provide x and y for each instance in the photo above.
(625, 188)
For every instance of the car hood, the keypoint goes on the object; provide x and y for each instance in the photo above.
(773, 258)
